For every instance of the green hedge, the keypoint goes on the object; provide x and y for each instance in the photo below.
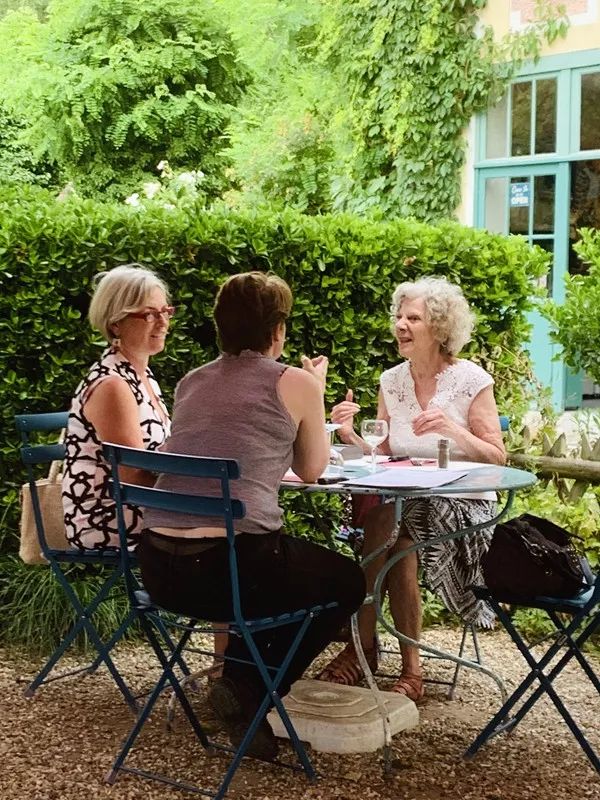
(576, 322)
(342, 271)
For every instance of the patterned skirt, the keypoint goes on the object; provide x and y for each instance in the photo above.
(451, 567)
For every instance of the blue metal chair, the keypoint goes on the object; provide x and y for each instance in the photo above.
(37, 454)
(148, 613)
(583, 614)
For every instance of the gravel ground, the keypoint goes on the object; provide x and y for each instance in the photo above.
(60, 744)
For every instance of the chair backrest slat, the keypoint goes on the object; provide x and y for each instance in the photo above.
(198, 505)
(175, 464)
(42, 453)
(52, 421)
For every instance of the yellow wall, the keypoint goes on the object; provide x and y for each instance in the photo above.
(583, 34)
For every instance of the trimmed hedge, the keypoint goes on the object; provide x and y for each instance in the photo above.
(342, 271)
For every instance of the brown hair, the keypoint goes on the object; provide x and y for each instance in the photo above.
(248, 309)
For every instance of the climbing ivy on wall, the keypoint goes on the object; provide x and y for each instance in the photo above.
(417, 72)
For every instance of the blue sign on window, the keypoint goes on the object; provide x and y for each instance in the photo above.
(519, 194)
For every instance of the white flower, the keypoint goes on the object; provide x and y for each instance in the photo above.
(168, 206)
(151, 189)
(187, 179)
(133, 200)
(162, 165)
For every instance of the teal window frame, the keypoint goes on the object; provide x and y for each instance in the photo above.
(567, 68)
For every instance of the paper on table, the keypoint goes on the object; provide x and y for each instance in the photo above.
(416, 478)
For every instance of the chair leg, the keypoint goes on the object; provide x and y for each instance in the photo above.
(502, 723)
(167, 676)
(454, 682)
(83, 623)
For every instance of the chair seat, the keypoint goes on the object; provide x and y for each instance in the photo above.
(145, 604)
(76, 555)
(568, 605)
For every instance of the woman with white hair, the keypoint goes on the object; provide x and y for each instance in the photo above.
(432, 394)
(118, 401)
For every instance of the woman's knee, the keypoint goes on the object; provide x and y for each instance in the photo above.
(351, 586)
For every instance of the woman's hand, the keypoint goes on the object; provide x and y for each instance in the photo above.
(434, 420)
(316, 366)
(343, 414)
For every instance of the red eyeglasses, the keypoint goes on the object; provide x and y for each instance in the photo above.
(155, 314)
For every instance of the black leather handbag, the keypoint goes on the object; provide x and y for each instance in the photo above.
(532, 557)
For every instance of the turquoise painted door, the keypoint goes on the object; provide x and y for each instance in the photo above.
(533, 201)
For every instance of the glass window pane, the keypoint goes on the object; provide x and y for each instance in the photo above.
(496, 144)
(496, 190)
(520, 203)
(590, 111)
(521, 119)
(584, 211)
(545, 115)
(543, 209)
(546, 280)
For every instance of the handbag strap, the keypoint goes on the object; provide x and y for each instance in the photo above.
(55, 466)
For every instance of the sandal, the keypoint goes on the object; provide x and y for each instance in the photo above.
(345, 668)
(215, 672)
(410, 684)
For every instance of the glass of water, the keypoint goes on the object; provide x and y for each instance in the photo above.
(374, 432)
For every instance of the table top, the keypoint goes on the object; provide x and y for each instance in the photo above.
(480, 478)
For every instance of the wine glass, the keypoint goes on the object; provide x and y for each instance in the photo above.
(335, 457)
(374, 432)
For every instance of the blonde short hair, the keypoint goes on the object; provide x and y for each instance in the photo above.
(120, 291)
(446, 310)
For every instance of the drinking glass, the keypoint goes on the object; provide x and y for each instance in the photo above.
(335, 457)
(374, 432)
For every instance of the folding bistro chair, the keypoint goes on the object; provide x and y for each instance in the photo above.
(582, 620)
(36, 454)
(223, 471)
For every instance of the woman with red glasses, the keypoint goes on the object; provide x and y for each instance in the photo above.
(118, 401)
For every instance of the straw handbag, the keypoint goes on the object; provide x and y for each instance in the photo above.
(49, 492)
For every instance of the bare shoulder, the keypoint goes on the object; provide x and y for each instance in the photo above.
(112, 392)
(300, 380)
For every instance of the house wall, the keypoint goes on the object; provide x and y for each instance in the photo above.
(505, 16)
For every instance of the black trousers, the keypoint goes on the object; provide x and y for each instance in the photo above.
(277, 573)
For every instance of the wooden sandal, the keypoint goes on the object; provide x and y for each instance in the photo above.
(410, 684)
(345, 668)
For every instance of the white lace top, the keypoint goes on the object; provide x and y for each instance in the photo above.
(457, 386)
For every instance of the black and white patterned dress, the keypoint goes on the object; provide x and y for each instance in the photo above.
(90, 516)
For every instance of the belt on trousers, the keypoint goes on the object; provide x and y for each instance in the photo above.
(181, 547)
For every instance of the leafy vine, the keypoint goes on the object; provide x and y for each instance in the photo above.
(417, 71)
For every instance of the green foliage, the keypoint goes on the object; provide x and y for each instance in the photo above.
(18, 164)
(111, 87)
(416, 73)
(576, 323)
(341, 269)
(283, 145)
(36, 613)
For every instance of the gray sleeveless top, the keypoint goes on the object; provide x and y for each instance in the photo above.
(231, 408)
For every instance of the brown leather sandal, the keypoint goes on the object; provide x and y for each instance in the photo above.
(410, 684)
(345, 667)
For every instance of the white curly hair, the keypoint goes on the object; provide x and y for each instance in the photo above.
(446, 310)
